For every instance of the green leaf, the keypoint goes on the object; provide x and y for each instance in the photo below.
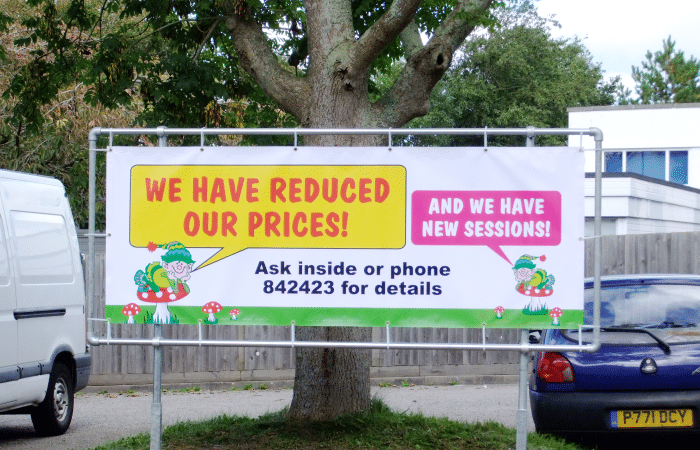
(666, 76)
(515, 76)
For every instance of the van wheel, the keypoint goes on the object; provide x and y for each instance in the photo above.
(52, 417)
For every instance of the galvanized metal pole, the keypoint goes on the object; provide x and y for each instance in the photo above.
(156, 405)
(521, 416)
(597, 231)
(90, 275)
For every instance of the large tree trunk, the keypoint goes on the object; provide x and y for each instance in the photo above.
(331, 381)
(334, 94)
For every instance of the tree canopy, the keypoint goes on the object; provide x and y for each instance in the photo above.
(666, 76)
(183, 60)
(213, 62)
(55, 145)
(515, 76)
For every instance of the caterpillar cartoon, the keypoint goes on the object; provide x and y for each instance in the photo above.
(541, 280)
(154, 278)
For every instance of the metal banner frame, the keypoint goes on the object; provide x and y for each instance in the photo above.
(157, 342)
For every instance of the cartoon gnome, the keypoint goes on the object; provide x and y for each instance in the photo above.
(533, 282)
(166, 280)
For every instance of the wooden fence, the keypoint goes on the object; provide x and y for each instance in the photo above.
(119, 364)
(647, 253)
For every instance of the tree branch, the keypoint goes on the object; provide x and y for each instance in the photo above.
(206, 38)
(410, 95)
(461, 22)
(261, 63)
(411, 40)
(395, 19)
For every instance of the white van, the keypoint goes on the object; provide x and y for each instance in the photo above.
(43, 353)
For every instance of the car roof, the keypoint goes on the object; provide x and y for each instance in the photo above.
(631, 279)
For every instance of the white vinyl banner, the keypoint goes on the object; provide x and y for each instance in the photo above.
(438, 237)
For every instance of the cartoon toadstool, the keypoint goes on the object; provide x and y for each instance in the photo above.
(234, 314)
(499, 311)
(555, 313)
(211, 308)
(131, 310)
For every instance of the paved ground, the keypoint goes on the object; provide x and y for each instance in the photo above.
(99, 418)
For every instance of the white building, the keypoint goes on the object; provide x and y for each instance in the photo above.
(651, 180)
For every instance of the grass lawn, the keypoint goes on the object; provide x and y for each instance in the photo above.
(380, 428)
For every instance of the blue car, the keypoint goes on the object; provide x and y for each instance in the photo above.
(644, 380)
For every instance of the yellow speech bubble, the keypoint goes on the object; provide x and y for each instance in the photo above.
(239, 207)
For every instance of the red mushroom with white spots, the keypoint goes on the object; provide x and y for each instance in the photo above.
(499, 311)
(161, 298)
(155, 287)
(536, 296)
(234, 314)
(131, 310)
(211, 308)
(555, 313)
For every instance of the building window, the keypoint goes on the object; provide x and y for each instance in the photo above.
(613, 162)
(651, 164)
(678, 169)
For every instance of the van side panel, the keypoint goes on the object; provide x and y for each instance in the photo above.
(49, 288)
(8, 325)
(48, 313)
(51, 310)
(29, 391)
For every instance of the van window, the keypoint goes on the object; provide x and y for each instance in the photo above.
(43, 249)
(4, 261)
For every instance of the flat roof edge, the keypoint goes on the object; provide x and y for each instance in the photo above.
(632, 107)
(645, 178)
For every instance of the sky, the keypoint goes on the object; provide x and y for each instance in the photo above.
(618, 33)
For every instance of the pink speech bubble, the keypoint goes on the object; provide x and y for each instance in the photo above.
(490, 218)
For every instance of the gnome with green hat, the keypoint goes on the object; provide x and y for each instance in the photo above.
(524, 269)
(533, 282)
(164, 281)
(177, 261)
(529, 276)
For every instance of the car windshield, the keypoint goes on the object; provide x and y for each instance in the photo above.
(670, 312)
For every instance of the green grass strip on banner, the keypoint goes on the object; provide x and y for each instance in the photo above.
(357, 317)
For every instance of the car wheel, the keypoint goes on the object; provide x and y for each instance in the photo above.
(53, 416)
